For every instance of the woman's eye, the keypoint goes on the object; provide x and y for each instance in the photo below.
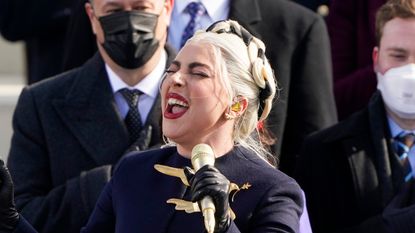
(200, 74)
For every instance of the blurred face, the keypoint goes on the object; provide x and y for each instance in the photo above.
(397, 45)
(394, 62)
(101, 8)
(194, 98)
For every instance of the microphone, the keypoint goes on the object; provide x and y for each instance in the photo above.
(202, 154)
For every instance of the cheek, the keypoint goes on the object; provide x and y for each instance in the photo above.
(99, 33)
(384, 64)
(161, 27)
(163, 91)
(202, 94)
(209, 100)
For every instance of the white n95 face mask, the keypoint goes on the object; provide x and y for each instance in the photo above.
(397, 86)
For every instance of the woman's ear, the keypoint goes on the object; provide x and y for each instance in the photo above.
(239, 105)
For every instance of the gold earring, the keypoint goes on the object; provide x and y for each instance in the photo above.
(236, 107)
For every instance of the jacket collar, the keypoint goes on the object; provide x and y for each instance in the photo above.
(89, 111)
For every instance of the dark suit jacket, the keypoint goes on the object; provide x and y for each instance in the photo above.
(67, 135)
(349, 173)
(313, 4)
(351, 25)
(298, 48)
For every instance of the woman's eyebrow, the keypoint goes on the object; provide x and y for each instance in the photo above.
(197, 64)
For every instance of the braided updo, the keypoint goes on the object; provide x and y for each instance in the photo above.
(246, 72)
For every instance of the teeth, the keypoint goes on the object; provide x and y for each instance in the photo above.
(172, 101)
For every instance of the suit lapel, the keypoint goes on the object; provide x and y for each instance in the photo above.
(371, 164)
(389, 173)
(374, 168)
(363, 172)
(247, 13)
(90, 113)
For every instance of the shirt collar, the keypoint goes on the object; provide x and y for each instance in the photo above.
(213, 8)
(149, 85)
(395, 129)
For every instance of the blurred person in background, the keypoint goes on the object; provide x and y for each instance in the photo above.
(42, 26)
(70, 131)
(351, 25)
(358, 176)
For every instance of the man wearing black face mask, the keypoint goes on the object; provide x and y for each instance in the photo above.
(71, 130)
(129, 37)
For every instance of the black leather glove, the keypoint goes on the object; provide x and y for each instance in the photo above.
(9, 217)
(399, 215)
(208, 181)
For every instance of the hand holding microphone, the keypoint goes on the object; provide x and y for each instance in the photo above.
(210, 189)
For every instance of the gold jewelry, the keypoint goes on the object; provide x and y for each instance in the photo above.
(236, 107)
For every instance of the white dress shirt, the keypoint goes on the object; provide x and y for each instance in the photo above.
(395, 130)
(149, 86)
(215, 10)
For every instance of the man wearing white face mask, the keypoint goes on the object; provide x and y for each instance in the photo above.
(397, 86)
(358, 176)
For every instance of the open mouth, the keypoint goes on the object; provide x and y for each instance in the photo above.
(176, 106)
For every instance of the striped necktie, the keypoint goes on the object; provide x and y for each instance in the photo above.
(403, 143)
(195, 10)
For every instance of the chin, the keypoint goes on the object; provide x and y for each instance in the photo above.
(171, 132)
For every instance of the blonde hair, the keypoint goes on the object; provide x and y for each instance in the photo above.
(246, 72)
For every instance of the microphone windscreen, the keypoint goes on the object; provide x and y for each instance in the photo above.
(202, 154)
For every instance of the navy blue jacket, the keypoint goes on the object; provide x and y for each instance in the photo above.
(135, 198)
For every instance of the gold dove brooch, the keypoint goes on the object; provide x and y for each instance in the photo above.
(188, 206)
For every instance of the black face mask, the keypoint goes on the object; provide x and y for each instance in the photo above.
(129, 37)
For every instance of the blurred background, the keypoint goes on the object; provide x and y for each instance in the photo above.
(12, 79)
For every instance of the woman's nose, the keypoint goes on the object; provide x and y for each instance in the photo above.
(177, 79)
